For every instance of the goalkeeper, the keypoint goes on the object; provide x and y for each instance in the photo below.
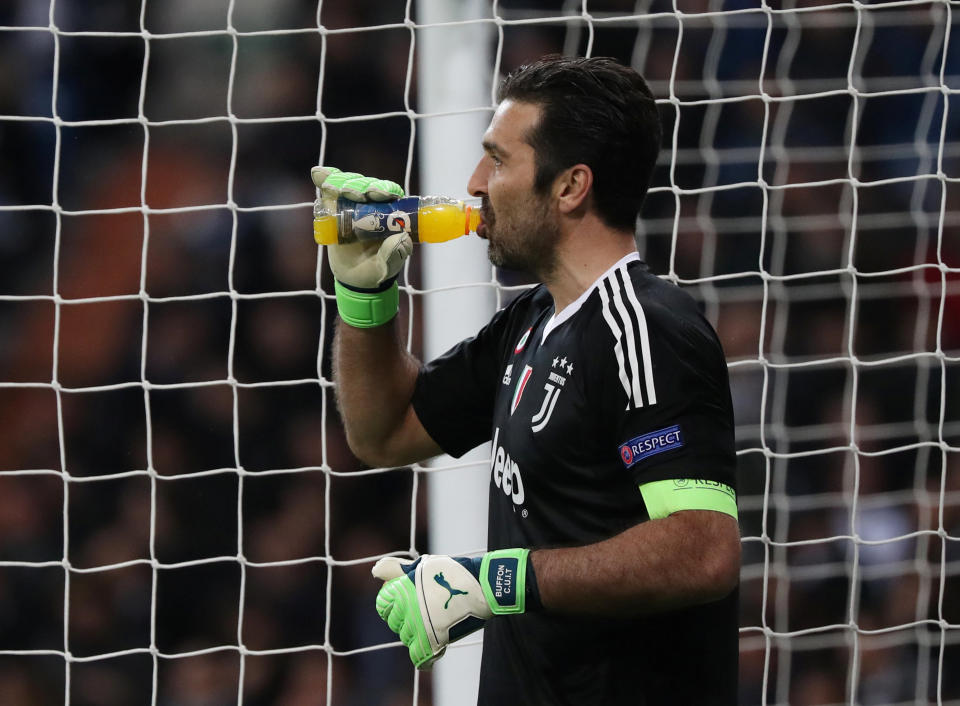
(614, 551)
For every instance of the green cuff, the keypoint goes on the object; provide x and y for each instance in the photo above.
(367, 309)
(665, 497)
(503, 577)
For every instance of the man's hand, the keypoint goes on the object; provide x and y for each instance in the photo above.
(365, 271)
(362, 265)
(436, 600)
(334, 183)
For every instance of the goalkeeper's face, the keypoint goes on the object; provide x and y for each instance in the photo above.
(520, 224)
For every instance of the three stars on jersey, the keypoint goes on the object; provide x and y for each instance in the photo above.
(563, 364)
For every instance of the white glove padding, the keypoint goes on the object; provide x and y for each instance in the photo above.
(430, 603)
(362, 265)
(368, 264)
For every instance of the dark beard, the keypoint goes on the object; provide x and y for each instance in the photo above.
(532, 248)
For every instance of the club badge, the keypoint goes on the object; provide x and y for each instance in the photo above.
(521, 386)
(522, 343)
(557, 378)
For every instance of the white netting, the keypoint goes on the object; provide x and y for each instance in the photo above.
(180, 519)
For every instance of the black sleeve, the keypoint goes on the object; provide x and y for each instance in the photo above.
(455, 393)
(666, 397)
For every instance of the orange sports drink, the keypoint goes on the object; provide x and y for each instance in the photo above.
(427, 219)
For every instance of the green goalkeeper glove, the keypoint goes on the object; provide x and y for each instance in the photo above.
(366, 272)
(436, 600)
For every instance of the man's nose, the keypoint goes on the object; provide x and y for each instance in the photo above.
(477, 185)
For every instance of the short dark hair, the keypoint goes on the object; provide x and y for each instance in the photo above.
(597, 112)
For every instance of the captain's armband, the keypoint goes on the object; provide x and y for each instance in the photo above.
(665, 497)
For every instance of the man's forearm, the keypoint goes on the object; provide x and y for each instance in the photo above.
(375, 378)
(687, 558)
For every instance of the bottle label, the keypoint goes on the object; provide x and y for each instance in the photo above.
(375, 221)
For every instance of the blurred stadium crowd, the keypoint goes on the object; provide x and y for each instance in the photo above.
(234, 338)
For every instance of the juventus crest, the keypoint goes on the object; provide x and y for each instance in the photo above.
(557, 378)
(561, 369)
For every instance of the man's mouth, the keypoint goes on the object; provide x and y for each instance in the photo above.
(486, 219)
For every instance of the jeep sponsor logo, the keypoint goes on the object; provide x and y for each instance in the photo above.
(506, 472)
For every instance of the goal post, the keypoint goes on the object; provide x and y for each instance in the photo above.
(180, 516)
(455, 78)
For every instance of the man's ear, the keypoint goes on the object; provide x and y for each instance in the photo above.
(572, 187)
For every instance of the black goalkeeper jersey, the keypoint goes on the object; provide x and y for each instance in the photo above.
(626, 386)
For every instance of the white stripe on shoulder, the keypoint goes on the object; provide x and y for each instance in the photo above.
(617, 336)
(644, 335)
(631, 337)
(574, 306)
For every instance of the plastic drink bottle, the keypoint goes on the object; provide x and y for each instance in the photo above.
(428, 219)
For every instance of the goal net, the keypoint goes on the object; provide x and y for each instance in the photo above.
(181, 521)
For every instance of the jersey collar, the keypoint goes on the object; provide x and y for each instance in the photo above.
(574, 306)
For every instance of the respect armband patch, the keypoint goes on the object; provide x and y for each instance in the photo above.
(665, 497)
(656, 442)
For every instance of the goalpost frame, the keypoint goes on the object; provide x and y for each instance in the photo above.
(454, 74)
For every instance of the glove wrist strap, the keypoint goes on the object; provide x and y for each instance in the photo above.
(366, 308)
(506, 577)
